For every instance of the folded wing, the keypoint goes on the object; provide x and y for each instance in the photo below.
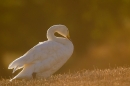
(38, 53)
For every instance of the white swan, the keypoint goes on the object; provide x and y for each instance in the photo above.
(46, 57)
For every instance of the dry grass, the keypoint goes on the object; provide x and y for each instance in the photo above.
(108, 77)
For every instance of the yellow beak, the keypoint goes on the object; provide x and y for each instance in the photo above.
(68, 36)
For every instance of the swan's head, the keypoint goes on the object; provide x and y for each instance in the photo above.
(62, 30)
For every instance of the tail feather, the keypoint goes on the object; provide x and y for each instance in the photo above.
(26, 73)
(16, 68)
(16, 64)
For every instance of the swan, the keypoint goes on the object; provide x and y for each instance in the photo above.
(46, 57)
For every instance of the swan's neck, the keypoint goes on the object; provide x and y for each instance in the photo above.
(50, 34)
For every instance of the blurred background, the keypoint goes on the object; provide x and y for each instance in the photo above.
(99, 29)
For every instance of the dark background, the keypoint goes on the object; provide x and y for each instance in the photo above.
(99, 29)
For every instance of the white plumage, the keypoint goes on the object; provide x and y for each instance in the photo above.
(46, 57)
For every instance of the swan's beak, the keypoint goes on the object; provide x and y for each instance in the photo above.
(68, 36)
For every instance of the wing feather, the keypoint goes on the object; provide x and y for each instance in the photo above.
(35, 54)
(45, 53)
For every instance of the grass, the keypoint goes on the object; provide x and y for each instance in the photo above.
(107, 77)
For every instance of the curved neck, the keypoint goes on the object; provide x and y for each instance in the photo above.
(50, 34)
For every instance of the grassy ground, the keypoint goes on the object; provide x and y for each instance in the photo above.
(108, 77)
